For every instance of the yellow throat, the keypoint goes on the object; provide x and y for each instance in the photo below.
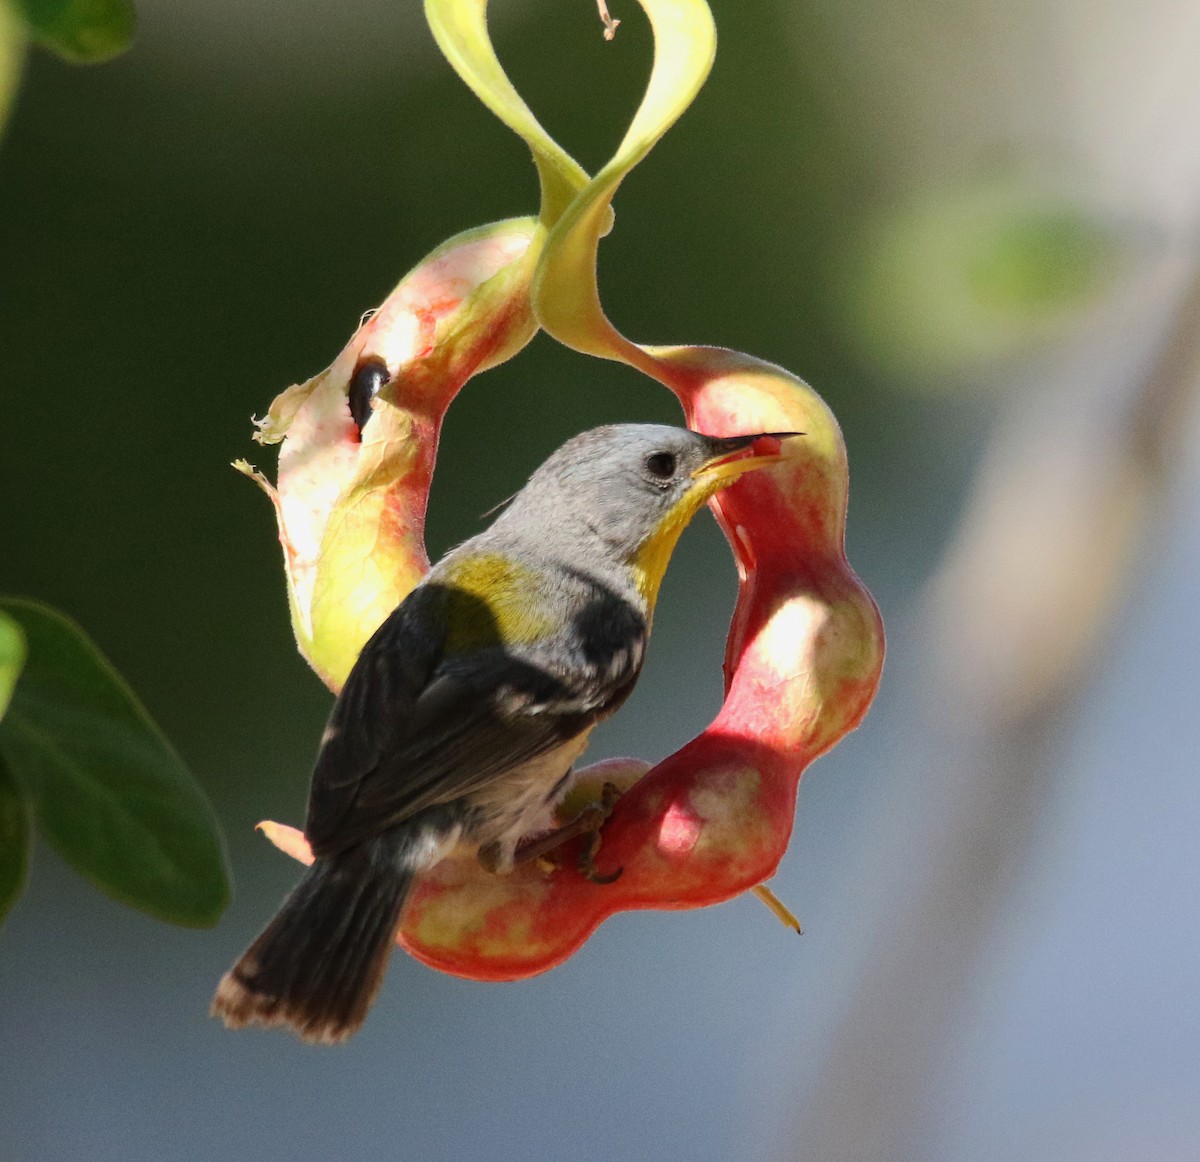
(655, 552)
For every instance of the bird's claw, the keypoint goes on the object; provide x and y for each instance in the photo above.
(589, 822)
(601, 810)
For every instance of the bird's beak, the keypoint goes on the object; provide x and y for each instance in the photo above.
(735, 455)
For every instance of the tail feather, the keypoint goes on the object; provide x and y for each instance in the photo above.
(318, 965)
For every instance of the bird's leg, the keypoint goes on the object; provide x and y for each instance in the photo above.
(588, 822)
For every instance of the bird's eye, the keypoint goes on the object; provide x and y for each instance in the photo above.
(661, 465)
(368, 380)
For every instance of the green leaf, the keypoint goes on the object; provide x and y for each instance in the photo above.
(14, 843)
(106, 787)
(80, 31)
(12, 658)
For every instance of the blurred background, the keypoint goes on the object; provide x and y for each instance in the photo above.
(974, 229)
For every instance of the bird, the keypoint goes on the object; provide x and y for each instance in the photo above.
(461, 719)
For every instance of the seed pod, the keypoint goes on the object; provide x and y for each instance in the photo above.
(358, 441)
(806, 646)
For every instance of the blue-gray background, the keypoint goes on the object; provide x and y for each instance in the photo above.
(970, 229)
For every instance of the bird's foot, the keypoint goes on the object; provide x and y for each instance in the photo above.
(588, 822)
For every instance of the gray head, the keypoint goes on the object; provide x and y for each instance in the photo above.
(633, 488)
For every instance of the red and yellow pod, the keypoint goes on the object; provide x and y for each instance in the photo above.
(350, 501)
(805, 648)
(350, 496)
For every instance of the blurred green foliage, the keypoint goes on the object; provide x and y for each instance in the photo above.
(1046, 258)
(81, 31)
(940, 286)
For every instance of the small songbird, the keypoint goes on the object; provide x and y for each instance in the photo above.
(460, 721)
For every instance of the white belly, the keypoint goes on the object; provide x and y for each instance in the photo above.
(521, 803)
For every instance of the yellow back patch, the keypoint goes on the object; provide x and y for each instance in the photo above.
(492, 601)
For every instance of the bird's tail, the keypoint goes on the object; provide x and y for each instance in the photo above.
(317, 966)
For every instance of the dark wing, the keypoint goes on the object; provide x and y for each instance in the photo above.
(414, 727)
(386, 682)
